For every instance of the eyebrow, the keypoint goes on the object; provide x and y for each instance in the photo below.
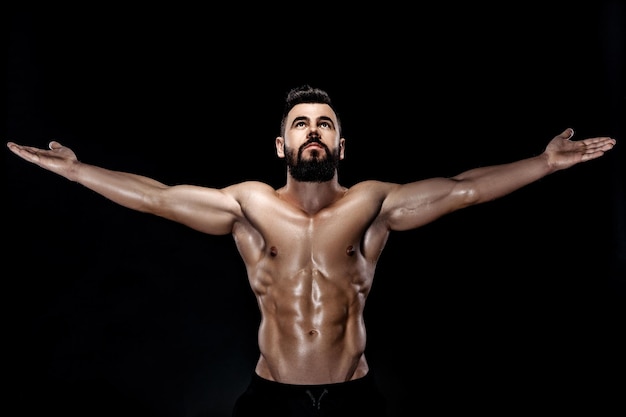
(321, 118)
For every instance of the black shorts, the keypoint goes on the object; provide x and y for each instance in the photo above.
(269, 398)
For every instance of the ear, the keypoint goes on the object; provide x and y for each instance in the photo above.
(342, 148)
(280, 146)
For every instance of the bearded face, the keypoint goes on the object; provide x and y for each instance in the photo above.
(320, 167)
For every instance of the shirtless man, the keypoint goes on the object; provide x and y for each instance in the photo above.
(311, 247)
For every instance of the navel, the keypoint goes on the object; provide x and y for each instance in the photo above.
(273, 251)
(350, 250)
(313, 332)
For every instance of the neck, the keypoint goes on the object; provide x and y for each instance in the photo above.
(311, 197)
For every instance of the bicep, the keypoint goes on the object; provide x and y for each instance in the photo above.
(208, 210)
(415, 204)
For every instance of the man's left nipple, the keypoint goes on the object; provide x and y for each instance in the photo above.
(350, 250)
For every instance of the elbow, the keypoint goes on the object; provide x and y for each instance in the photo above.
(152, 204)
(468, 196)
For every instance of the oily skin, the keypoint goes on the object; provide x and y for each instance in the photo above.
(310, 248)
(309, 265)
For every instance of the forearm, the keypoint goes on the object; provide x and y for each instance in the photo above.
(491, 182)
(129, 190)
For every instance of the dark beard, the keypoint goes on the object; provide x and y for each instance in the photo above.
(320, 168)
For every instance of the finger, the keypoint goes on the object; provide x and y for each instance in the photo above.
(599, 142)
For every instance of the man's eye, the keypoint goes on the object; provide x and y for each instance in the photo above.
(324, 124)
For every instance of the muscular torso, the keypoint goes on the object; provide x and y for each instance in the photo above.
(311, 274)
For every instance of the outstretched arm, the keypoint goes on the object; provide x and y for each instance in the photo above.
(489, 183)
(206, 209)
(414, 204)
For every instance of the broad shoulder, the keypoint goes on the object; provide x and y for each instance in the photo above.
(371, 188)
(247, 190)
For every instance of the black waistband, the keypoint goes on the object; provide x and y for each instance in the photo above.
(263, 384)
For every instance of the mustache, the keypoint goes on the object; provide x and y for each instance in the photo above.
(313, 139)
(316, 140)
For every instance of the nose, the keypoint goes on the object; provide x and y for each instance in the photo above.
(312, 131)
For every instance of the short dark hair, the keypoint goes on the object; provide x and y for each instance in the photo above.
(306, 94)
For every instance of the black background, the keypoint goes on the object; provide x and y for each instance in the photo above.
(512, 305)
